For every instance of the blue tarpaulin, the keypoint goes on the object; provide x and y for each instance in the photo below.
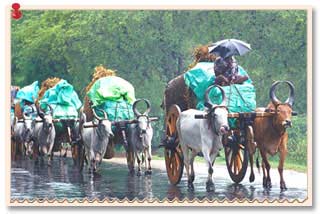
(63, 99)
(240, 97)
(29, 92)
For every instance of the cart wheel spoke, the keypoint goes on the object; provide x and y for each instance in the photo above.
(236, 156)
(173, 158)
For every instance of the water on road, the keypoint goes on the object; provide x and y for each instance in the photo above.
(62, 180)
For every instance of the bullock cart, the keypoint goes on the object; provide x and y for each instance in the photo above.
(238, 143)
(109, 97)
(120, 129)
(58, 98)
(235, 144)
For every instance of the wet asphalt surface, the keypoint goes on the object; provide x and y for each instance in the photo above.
(62, 180)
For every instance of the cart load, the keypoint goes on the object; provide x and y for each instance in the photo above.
(239, 97)
(24, 97)
(115, 96)
(28, 93)
(45, 85)
(63, 99)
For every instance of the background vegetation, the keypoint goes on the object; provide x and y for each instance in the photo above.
(148, 48)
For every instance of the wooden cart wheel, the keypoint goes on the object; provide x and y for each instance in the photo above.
(173, 156)
(236, 155)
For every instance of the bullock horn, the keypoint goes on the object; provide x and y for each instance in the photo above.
(51, 109)
(290, 100)
(272, 94)
(135, 110)
(40, 112)
(105, 114)
(273, 97)
(95, 115)
(207, 99)
(134, 107)
(24, 115)
(148, 107)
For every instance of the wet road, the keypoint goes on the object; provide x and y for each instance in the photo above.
(62, 180)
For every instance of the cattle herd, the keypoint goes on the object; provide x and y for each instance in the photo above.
(200, 132)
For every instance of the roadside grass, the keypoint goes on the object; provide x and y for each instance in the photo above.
(274, 161)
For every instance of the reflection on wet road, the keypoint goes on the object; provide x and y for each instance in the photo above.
(62, 180)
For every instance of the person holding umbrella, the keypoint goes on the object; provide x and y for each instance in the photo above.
(226, 67)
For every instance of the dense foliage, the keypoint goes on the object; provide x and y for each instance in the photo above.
(148, 48)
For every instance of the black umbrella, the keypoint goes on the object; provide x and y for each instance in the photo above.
(229, 47)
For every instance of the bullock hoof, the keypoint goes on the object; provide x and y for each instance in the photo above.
(210, 186)
(131, 172)
(192, 178)
(90, 170)
(97, 170)
(139, 173)
(269, 185)
(190, 186)
(283, 186)
(264, 182)
(149, 172)
(251, 178)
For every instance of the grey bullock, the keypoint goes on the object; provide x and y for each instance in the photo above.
(140, 135)
(202, 131)
(22, 133)
(95, 136)
(44, 134)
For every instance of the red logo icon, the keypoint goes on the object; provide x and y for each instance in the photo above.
(16, 13)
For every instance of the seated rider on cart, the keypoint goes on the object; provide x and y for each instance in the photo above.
(226, 72)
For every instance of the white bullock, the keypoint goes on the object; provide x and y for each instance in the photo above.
(202, 135)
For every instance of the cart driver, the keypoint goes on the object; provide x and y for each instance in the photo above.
(226, 72)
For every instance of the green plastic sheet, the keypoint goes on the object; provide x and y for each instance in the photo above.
(113, 95)
(111, 88)
(240, 97)
(63, 99)
(116, 110)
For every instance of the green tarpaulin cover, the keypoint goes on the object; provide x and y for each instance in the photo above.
(63, 99)
(114, 95)
(29, 92)
(240, 97)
